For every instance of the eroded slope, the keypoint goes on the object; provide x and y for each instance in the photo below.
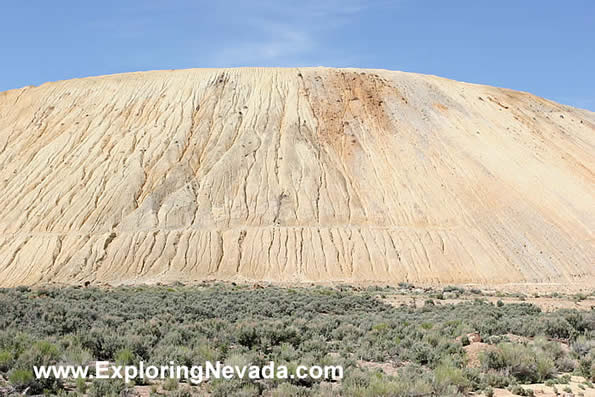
(309, 174)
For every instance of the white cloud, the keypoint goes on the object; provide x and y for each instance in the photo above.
(283, 41)
(284, 35)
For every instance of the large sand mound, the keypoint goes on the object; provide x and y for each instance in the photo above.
(311, 174)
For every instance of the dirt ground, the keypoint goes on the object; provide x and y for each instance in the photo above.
(545, 391)
(545, 303)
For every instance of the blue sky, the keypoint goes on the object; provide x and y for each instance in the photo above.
(541, 46)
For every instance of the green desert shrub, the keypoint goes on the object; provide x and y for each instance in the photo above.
(583, 346)
(378, 384)
(496, 379)
(545, 367)
(520, 361)
(559, 328)
(39, 353)
(170, 384)
(76, 355)
(81, 385)
(125, 357)
(106, 388)
(465, 340)
(520, 391)
(6, 360)
(232, 387)
(22, 379)
(564, 379)
(449, 378)
(193, 324)
(289, 390)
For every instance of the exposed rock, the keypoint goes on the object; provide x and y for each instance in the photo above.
(303, 175)
(474, 351)
(474, 337)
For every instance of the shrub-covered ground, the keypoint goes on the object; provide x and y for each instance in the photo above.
(424, 346)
